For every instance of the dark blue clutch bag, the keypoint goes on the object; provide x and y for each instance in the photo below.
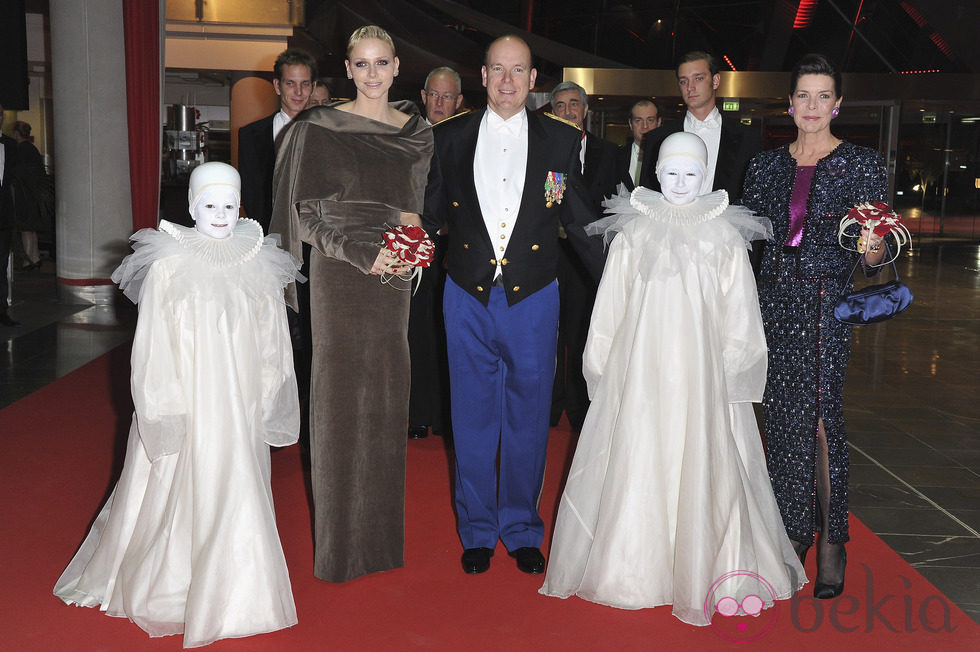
(873, 303)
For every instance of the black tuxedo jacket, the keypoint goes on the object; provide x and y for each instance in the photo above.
(623, 165)
(738, 144)
(599, 174)
(530, 261)
(6, 185)
(256, 164)
(6, 213)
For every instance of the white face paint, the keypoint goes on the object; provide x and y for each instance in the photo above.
(216, 212)
(680, 179)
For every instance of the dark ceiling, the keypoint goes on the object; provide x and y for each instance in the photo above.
(768, 35)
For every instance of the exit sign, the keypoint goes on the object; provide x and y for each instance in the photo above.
(731, 105)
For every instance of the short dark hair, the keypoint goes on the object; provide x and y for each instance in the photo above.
(644, 103)
(814, 64)
(21, 128)
(698, 55)
(295, 57)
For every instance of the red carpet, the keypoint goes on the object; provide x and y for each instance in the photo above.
(60, 448)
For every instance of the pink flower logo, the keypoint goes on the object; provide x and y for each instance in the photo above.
(739, 598)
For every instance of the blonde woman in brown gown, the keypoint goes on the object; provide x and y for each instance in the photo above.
(345, 173)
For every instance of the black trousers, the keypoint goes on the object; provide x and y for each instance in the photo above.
(429, 399)
(6, 237)
(576, 291)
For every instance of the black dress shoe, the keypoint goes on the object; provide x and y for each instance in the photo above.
(529, 560)
(7, 321)
(418, 432)
(476, 560)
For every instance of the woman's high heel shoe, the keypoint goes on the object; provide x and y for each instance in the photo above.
(826, 591)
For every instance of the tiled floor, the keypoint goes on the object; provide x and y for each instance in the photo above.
(913, 419)
(912, 406)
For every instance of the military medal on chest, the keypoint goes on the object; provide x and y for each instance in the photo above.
(554, 188)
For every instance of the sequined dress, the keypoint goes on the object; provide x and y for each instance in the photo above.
(808, 348)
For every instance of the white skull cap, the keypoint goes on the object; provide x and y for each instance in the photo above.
(683, 144)
(212, 174)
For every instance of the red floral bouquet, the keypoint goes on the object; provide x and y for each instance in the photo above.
(878, 218)
(410, 244)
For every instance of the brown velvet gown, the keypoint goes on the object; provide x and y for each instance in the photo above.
(340, 182)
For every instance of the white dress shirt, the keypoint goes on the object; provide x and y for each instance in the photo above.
(708, 130)
(499, 166)
(635, 160)
(278, 122)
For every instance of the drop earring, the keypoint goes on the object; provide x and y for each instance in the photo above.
(835, 112)
(791, 110)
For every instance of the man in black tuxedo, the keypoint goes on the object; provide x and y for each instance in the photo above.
(320, 95)
(8, 160)
(503, 179)
(295, 70)
(644, 117)
(294, 83)
(442, 95)
(730, 144)
(428, 404)
(576, 287)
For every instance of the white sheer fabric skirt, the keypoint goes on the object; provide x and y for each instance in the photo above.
(668, 499)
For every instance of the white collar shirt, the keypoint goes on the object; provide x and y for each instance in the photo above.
(3, 160)
(708, 130)
(499, 167)
(581, 152)
(636, 159)
(278, 122)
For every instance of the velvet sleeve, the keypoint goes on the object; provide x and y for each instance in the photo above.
(326, 234)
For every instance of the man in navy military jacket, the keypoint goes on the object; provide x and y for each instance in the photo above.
(503, 179)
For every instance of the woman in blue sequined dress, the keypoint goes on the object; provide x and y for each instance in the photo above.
(805, 188)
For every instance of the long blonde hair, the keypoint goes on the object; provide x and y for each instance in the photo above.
(369, 31)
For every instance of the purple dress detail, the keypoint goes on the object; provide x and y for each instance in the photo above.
(797, 204)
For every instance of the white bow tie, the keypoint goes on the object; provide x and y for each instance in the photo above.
(711, 122)
(511, 127)
(505, 128)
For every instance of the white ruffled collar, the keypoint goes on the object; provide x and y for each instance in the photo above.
(242, 245)
(654, 205)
